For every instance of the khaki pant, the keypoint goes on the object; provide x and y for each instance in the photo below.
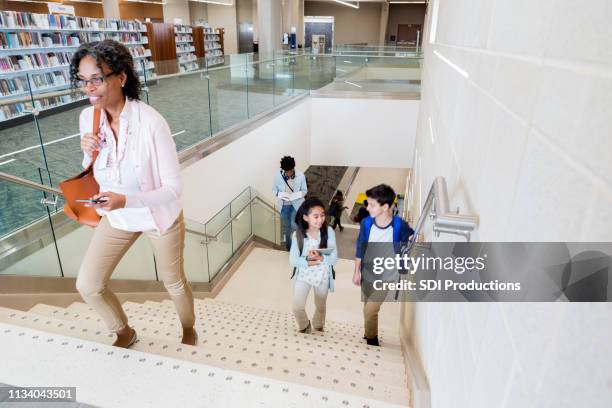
(300, 294)
(370, 318)
(106, 249)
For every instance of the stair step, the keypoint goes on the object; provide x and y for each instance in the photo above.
(241, 349)
(307, 344)
(333, 341)
(334, 326)
(91, 330)
(136, 379)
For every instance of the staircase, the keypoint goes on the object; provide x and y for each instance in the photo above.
(246, 356)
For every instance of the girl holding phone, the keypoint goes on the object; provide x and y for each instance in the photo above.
(312, 269)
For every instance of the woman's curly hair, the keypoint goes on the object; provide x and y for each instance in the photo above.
(116, 56)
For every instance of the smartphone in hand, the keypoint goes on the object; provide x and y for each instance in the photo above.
(90, 201)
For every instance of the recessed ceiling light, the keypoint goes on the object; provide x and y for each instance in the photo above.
(356, 6)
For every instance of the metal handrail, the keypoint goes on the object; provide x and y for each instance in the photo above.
(30, 184)
(444, 220)
(41, 187)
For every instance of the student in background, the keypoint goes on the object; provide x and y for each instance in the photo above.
(362, 213)
(380, 226)
(290, 189)
(335, 210)
(312, 269)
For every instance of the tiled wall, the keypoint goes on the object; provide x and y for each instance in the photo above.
(516, 113)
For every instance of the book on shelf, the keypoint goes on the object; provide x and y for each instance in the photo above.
(36, 50)
(19, 19)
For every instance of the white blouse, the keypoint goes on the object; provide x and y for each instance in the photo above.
(114, 172)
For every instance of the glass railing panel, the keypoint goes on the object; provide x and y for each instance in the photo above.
(264, 222)
(20, 148)
(241, 227)
(195, 258)
(22, 206)
(61, 139)
(240, 202)
(301, 74)
(220, 250)
(284, 79)
(218, 221)
(73, 241)
(181, 97)
(260, 74)
(350, 67)
(323, 70)
(228, 96)
(32, 253)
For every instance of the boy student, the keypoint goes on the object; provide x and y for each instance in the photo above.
(380, 226)
(290, 189)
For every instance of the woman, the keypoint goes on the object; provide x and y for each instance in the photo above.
(138, 172)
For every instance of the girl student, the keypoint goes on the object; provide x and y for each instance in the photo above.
(313, 254)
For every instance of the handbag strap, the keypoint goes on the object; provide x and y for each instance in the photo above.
(96, 127)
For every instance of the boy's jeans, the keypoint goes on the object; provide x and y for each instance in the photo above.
(288, 224)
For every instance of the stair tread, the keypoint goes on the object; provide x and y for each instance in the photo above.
(95, 369)
(390, 335)
(389, 351)
(299, 354)
(381, 392)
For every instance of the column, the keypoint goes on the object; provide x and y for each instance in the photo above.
(269, 27)
(111, 8)
(293, 17)
(300, 23)
(384, 22)
(176, 9)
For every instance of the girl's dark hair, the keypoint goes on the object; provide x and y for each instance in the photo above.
(116, 56)
(302, 226)
(287, 163)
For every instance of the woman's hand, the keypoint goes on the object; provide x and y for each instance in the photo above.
(90, 143)
(112, 201)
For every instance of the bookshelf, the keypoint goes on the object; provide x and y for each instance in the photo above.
(35, 53)
(185, 49)
(213, 46)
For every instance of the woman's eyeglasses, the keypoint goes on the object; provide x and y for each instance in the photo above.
(95, 81)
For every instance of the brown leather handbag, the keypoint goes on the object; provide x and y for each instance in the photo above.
(82, 187)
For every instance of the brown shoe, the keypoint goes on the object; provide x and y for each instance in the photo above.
(319, 329)
(125, 338)
(190, 337)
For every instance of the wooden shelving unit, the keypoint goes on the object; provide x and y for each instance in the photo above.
(213, 46)
(185, 49)
(35, 53)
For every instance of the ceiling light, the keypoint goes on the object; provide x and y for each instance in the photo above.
(213, 2)
(162, 2)
(407, 2)
(356, 6)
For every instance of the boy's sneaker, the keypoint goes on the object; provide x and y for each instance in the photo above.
(373, 341)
